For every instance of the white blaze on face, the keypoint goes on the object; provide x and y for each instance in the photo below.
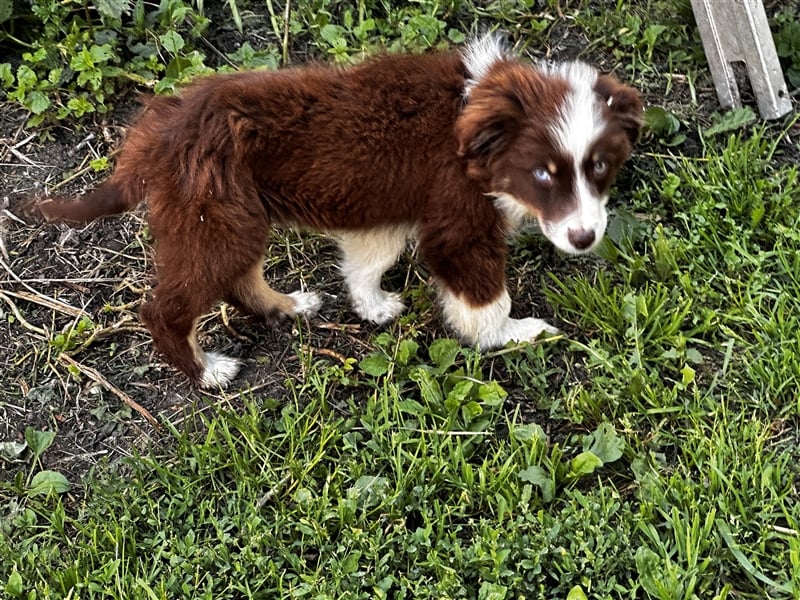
(577, 128)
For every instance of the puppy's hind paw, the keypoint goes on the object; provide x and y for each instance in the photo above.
(305, 303)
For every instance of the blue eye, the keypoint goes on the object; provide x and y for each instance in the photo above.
(600, 167)
(542, 175)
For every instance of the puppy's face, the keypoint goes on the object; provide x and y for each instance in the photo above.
(548, 144)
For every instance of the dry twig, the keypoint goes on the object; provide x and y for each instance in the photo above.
(95, 376)
(326, 352)
(20, 318)
(48, 302)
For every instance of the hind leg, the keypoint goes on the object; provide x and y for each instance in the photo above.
(188, 289)
(195, 264)
(171, 316)
(250, 293)
(365, 258)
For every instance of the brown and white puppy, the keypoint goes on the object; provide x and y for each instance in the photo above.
(453, 149)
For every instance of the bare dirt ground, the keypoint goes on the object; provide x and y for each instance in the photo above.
(99, 386)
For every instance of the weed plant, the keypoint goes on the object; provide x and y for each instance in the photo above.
(650, 452)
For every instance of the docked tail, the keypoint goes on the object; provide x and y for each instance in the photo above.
(109, 198)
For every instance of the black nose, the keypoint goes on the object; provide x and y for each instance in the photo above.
(581, 238)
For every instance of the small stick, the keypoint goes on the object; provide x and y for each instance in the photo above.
(21, 143)
(20, 318)
(274, 490)
(23, 158)
(95, 376)
(326, 352)
(285, 44)
(355, 328)
(48, 302)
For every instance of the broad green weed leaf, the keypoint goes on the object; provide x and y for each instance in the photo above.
(101, 54)
(26, 78)
(13, 586)
(6, 75)
(492, 393)
(492, 591)
(456, 36)
(38, 441)
(172, 41)
(332, 34)
(37, 102)
(648, 563)
(177, 67)
(529, 434)
(661, 122)
(406, 350)
(733, 120)
(459, 393)
(687, 375)
(604, 443)
(6, 10)
(303, 496)
(577, 593)
(375, 365)
(80, 106)
(370, 490)
(112, 8)
(350, 562)
(46, 482)
(584, 464)
(541, 479)
(693, 356)
(443, 353)
(361, 31)
(411, 407)
(471, 410)
(82, 61)
(384, 339)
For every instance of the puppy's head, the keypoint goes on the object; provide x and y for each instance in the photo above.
(546, 142)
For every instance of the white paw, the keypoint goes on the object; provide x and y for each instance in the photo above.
(523, 330)
(514, 330)
(219, 371)
(380, 307)
(305, 303)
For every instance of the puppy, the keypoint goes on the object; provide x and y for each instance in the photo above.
(453, 149)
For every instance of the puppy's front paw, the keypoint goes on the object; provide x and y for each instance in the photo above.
(305, 303)
(379, 308)
(219, 370)
(524, 330)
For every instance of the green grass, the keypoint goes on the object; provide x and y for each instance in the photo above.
(652, 453)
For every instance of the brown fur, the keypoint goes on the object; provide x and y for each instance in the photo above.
(389, 142)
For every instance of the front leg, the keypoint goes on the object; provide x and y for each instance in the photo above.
(465, 249)
(489, 325)
(366, 256)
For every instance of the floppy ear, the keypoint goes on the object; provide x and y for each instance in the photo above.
(624, 103)
(486, 127)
